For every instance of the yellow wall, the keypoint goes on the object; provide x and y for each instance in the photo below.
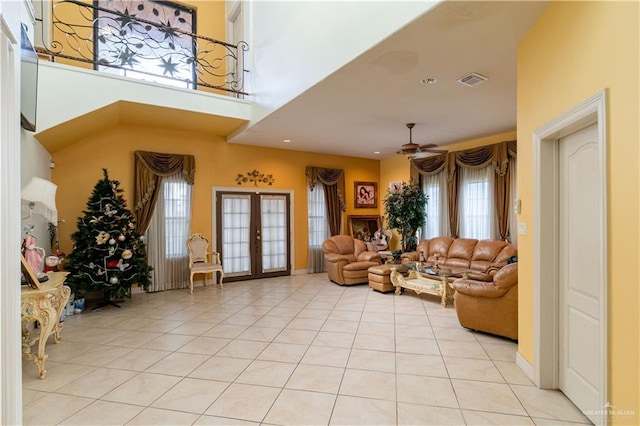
(397, 168)
(575, 50)
(79, 167)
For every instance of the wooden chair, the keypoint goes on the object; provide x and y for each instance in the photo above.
(201, 261)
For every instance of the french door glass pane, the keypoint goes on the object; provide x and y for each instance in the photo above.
(236, 216)
(274, 232)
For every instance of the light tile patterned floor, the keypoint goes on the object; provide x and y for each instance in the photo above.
(296, 350)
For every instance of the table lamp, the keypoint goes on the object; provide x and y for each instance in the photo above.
(39, 195)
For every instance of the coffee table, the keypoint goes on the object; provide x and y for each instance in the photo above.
(436, 284)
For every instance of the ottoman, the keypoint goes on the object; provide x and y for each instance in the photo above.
(379, 278)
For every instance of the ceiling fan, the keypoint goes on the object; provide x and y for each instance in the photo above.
(414, 150)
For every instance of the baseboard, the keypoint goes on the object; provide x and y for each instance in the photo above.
(299, 272)
(526, 368)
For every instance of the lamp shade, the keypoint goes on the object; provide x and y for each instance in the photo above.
(40, 196)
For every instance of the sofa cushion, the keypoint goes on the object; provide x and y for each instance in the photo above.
(488, 250)
(440, 246)
(359, 266)
(462, 248)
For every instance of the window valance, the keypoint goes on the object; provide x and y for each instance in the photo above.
(327, 177)
(476, 158)
(333, 181)
(150, 168)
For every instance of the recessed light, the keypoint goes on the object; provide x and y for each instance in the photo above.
(376, 152)
(429, 80)
(286, 140)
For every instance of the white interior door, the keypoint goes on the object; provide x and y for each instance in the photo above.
(580, 269)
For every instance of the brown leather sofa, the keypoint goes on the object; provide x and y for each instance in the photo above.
(347, 260)
(485, 283)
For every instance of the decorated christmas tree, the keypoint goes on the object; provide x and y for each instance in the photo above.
(108, 252)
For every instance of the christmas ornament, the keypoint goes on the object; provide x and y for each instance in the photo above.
(126, 254)
(112, 241)
(113, 280)
(122, 238)
(102, 237)
(112, 264)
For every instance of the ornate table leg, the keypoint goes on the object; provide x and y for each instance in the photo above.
(47, 320)
(59, 303)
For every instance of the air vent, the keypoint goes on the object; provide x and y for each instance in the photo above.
(472, 80)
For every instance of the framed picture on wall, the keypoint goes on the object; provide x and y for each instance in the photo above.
(366, 195)
(395, 186)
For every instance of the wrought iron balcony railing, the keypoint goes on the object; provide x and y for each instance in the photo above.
(146, 40)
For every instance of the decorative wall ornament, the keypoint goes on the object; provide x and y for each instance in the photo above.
(255, 177)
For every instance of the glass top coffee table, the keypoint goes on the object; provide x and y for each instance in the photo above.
(426, 280)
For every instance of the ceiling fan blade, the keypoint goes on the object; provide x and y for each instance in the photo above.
(433, 150)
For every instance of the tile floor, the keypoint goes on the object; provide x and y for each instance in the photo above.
(296, 350)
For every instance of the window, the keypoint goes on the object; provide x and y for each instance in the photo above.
(437, 220)
(124, 46)
(318, 226)
(177, 212)
(476, 203)
(167, 235)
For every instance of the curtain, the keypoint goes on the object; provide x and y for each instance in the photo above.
(437, 221)
(167, 235)
(477, 208)
(150, 167)
(513, 217)
(333, 181)
(502, 190)
(318, 228)
(497, 156)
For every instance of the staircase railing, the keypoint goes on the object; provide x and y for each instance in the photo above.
(144, 41)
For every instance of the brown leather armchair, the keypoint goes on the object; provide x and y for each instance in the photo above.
(347, 260)
(491, 306)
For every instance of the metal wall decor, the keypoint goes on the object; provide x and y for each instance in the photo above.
(255, 177)
(152, 40)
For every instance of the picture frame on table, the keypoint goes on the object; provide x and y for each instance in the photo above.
(365, 195)
(30, 276)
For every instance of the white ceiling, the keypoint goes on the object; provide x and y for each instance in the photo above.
(364, 106)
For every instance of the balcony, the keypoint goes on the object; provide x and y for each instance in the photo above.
(146, 41)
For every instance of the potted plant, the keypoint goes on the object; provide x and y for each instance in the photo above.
(405, 209)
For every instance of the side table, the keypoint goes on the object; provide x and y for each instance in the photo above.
(44, 306)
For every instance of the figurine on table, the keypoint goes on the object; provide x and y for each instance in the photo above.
(33, 254)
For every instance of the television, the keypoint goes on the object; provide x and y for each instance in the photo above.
(28, 82)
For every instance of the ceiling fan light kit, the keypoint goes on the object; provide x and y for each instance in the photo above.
(414, 150)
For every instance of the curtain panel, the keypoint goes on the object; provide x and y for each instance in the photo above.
(333, 182)
(150, 168)
(496, 155)
(166, 248)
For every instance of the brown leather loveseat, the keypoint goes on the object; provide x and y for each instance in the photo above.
(486, 299)
(347, 260)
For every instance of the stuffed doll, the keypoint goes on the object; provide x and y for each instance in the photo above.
(51, 264)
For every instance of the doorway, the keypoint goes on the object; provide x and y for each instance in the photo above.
(253, 233)
(570, 256)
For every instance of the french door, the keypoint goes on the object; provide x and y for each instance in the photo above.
(253, 234)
